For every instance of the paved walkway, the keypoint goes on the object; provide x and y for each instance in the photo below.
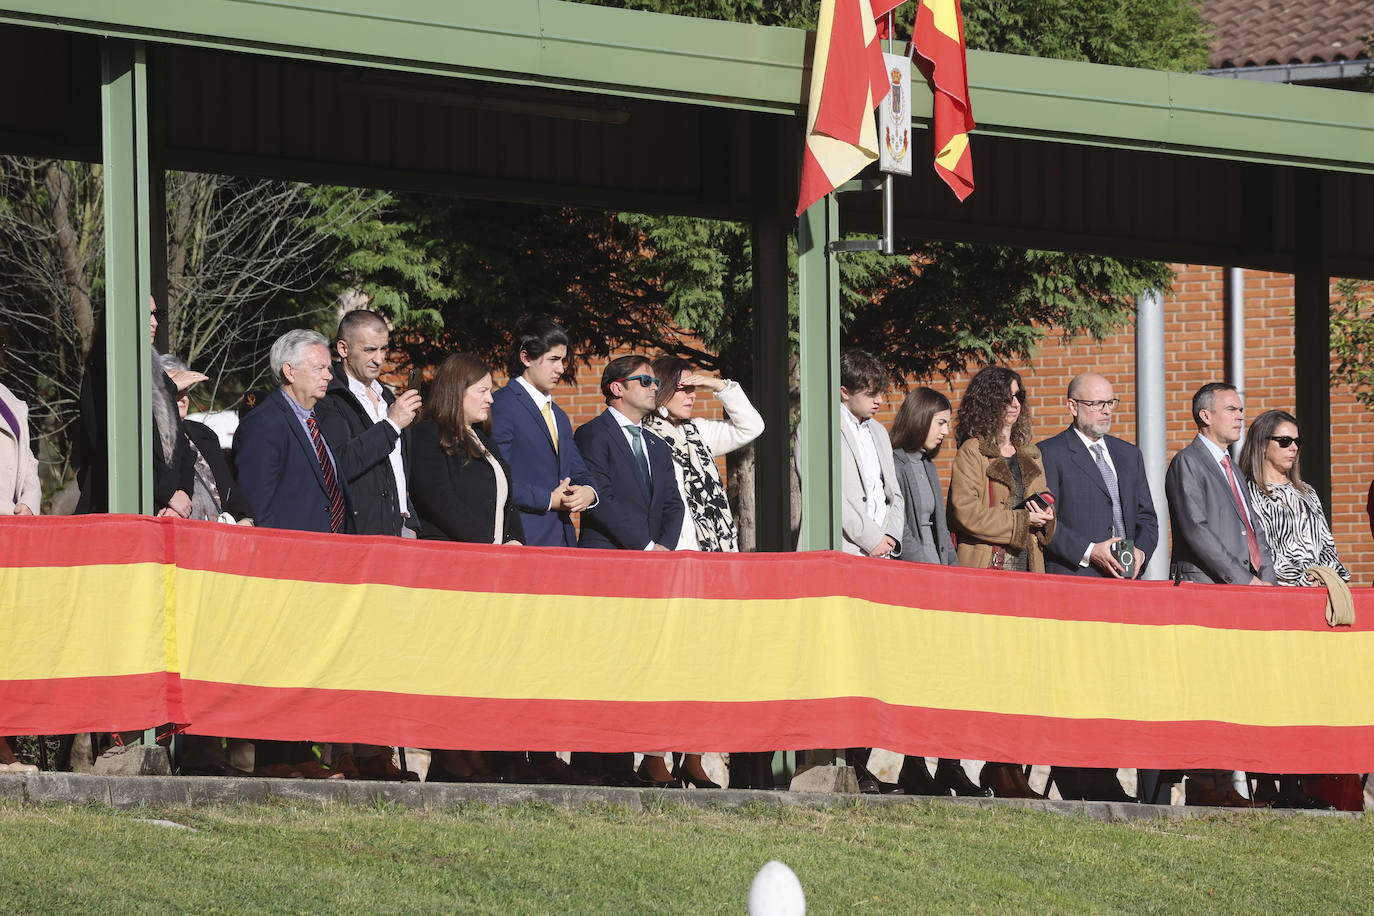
(175, 791)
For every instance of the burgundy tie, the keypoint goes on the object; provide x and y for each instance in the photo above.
(1251, 541)
(331, 483)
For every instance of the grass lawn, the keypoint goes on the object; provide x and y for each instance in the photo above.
(537, 859)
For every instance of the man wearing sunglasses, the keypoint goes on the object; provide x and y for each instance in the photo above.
(639, 507)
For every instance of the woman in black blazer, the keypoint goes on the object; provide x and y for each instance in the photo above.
(459, 482)
(460, 486)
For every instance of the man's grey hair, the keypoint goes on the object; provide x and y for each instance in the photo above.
(290, 348)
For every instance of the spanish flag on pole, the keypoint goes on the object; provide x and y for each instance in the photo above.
(939, 38)
(847, 83)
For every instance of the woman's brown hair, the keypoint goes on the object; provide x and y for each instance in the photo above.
(912, 426)
(444, 405)
(669, 370)
(984, 404)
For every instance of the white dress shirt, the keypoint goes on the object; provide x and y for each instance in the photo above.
(377, 412)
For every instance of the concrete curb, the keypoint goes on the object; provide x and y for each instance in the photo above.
(188, 791)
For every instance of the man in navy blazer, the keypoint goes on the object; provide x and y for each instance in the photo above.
(639, 506)
(1100, 496)
(549, 480)
(279, 466)
(1074, 467)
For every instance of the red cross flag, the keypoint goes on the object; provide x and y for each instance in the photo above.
(847, 83)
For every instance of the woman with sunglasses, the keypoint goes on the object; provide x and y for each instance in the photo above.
(996, 468)
(707, 523)
(1289, 512)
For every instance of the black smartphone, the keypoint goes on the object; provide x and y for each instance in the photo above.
(1042, 502)
(415, 379)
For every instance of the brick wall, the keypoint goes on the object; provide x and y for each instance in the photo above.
(1194, 338)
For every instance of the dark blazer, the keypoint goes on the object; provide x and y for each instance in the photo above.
(1209, 535)
(622, 518)
(519, 431)
(231, 498)
(280, 472)
(456, 495)
(1084, 509)
(363, 450)
(910, 469)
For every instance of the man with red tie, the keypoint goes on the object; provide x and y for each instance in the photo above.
(284, 465)
(1215, 536)
(1216, 539)
(291, 479)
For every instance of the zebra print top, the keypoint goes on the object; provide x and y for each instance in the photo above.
(1297, 532)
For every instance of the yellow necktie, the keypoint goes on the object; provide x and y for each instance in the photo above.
(548, 421)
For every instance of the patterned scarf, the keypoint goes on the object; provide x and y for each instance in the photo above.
(706, 502)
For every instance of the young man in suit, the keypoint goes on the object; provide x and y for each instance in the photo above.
(873, 512)
(368, 428)
(549, 480)
(639, 506)
(1216, 539)
(1100, 497)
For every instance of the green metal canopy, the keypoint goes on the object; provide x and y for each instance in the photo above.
(563, 103)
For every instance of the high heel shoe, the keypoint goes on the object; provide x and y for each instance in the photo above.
(691, 775)
(950, 777)
(656, 777)
(915, 779)
(1292, 787)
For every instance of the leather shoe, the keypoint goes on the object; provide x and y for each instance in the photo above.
(915, 779)
(1218, 798)
(381, 767)
(872, 785)
(1088, 784)
(1296, 792)
(214, 769)
(950, 776)
(557, 772)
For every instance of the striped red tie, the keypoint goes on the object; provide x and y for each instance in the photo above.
(331, 483)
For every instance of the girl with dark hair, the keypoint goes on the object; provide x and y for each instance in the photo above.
(920, 428)
(1290, 514)
(996, 468)
(461, 489)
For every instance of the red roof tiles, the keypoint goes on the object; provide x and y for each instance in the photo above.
(1263, 32)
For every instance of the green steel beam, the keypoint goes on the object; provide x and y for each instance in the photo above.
(124, 142)
(1312, 337)
(736, 65)
(818, 433)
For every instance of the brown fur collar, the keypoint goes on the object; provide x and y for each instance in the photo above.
(1027, 457)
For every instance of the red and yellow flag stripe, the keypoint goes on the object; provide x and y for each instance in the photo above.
(939, 38)
(124, 622)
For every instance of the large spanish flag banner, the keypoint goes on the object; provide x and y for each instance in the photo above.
(939, 38)
(122, 622)
(847, 83)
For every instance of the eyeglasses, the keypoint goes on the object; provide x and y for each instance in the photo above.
(648, 381)
(1097, 405)
(1019, 396)
(1285, 441)
(683, 389)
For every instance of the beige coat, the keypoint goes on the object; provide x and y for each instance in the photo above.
(978, 523)
(18, 466)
